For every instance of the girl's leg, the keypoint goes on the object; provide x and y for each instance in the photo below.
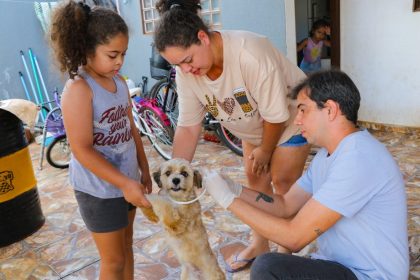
(116, 251)
(129, 263)
(259, 244)
(112, 251)
(111, 223)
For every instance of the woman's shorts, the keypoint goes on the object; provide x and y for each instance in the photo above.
(295, 141)
(103, 215)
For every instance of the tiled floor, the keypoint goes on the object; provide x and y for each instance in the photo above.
(63, 248)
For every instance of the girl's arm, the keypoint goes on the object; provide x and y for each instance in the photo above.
(78, 121)
(302, 45)
(141, 156)
(327, 43)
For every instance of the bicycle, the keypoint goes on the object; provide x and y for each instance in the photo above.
(58, 150)
(157, 111)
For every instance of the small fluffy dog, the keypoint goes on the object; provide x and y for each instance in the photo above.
(185, 232)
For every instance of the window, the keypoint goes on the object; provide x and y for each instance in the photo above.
(149, 15)
(210, 13)
(416, 5)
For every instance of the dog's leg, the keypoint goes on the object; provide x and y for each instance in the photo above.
(186, 272)
(149, 214)
(210, 268)
(166, 212)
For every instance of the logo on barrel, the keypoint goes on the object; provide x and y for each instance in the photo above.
(6, 185)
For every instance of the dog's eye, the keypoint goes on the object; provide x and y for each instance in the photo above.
(167, 173)
(184, 173)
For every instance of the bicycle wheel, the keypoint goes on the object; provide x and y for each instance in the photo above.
(164, 92)
(160, 135)
(231, 141)
(58, 152)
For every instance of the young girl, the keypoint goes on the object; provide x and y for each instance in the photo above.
(90, 45)
(312, 47)
(243, 81)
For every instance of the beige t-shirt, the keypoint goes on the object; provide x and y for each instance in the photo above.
(253, 87)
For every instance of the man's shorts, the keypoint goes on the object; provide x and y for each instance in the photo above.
(295, 141)
(103, 215)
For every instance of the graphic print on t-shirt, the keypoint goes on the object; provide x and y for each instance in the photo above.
(240, 96)
(211, 107)
(227, 105)
(115, 125)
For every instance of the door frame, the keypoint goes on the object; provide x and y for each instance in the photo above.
(289, 7)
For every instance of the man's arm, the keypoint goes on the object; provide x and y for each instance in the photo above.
(271, 216)
(185, 141)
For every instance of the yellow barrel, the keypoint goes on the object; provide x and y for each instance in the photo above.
(20, 208)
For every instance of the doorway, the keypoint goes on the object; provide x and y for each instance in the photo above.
(306, 13)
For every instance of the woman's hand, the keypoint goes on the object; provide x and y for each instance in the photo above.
(261, 160)
(134, 193)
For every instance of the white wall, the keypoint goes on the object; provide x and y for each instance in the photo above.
(380, 43)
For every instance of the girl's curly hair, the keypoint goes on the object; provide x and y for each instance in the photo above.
(76, 31)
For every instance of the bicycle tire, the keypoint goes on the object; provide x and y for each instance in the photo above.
(59, 146)
(166, 89)
(229, 140)
(160, 135)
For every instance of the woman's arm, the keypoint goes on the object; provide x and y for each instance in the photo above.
(185, 141)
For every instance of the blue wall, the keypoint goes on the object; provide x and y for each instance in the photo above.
(20, 30)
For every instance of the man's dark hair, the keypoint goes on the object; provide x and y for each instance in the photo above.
(332, 85)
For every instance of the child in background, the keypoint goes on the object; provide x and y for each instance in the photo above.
(107, 152)
(312, 47)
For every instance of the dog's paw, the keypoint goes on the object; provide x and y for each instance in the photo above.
(150, 214)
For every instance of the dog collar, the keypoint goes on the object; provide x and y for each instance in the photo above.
(190, 201)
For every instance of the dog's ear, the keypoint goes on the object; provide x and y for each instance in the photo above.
(198, 179)
(156, 177)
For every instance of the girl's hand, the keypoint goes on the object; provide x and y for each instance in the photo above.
(147, 182)
(261, 160)
(134, 193)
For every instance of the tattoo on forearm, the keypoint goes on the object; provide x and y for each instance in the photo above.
(265, 197)
(318, 232)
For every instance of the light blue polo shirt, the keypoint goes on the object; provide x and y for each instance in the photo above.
(363, 183)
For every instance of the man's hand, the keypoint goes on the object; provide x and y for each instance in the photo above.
(261, 161)
(134, 193)
(221, 187)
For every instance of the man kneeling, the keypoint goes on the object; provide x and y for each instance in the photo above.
(351, 199)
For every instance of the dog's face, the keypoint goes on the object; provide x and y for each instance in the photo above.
(177, 178)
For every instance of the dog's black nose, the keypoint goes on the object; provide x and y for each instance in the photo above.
(176, 181)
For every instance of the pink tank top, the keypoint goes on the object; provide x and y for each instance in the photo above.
(312, 51)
